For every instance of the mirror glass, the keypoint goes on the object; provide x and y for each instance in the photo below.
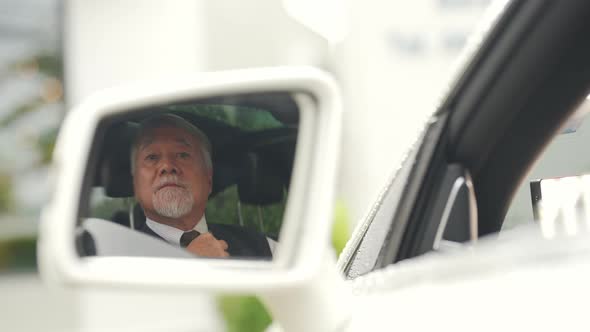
(205, 178)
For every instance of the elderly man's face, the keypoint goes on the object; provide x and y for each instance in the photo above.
(170, 177)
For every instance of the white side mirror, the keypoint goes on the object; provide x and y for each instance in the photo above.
(274, 135)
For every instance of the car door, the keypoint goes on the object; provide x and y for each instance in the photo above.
(456, 184)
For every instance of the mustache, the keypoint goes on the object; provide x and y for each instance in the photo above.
(168, 180)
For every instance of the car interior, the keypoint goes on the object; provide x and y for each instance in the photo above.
(253, 140)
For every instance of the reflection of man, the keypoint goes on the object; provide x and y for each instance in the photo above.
(172, 180)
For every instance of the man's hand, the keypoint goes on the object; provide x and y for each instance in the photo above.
(207, 245)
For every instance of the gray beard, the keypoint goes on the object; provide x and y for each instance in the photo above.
(173, 202)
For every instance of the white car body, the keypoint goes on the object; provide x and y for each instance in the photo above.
(520, 278)
(525, 280)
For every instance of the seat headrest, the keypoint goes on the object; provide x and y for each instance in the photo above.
(260, 182)
(115, 168)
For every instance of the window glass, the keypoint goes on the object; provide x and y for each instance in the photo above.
(227, 208)
(109, 208)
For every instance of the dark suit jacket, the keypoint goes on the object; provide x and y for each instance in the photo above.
(241, 242)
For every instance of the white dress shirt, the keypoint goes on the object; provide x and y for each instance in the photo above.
(172, 235)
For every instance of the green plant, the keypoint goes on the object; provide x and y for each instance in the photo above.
(340, 228)
(18, 254)
(6, 193)
(244, 313)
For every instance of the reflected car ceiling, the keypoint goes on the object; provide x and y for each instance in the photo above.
(258, 161)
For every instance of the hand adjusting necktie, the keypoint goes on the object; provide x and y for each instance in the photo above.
(188, 237)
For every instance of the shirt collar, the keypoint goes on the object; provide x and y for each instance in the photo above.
(171, 234)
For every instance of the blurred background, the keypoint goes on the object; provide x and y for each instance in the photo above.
(393, 59)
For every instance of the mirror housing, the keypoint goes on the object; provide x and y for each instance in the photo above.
(308, 216)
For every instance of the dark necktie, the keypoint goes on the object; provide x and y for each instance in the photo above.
(188, 237)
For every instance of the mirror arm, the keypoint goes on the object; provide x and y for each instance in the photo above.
(323, 303)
